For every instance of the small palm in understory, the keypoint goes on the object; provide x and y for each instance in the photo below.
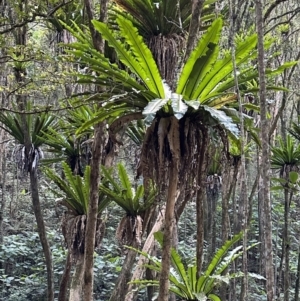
(184, 281)
(132, 201)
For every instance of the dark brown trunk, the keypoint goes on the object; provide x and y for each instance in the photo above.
(77, 279)
(97, 149)
(64, 282)
(148, 246)
(201, 194)
(121, 286)
(42, 233)
(265, 166)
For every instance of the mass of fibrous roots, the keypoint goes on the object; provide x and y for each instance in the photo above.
(191, 142)
(73, 230)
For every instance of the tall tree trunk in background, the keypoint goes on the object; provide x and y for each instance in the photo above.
(288, 195)
(265, 161)
(97, 150)
(120, 289)
(20, 39)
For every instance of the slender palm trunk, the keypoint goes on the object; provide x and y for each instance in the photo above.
(42, 233)
(286, 244)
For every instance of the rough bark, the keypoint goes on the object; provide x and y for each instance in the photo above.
(174, 143)
(201, 194)
(97, 149)
(121, 285)
(148, 245)
(77, 278)
(265, 166)
(64, 282)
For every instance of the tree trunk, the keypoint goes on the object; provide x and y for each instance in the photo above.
(121, 286)
(42, 232)
(297, 285)
(148, 245)
(64, 282)
(77, 279)
(173, 137)
(286, 244)
(29, 158)
(264, 126)
(201, 194)
(97, 149)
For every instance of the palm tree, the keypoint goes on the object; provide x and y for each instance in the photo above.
(176, 119)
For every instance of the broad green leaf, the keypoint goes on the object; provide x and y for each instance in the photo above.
(143, 55)
(152, 108)
(223, 119)
(123, 176)
(293, 176)
(127, 57)
(214, 297)
(211, 36)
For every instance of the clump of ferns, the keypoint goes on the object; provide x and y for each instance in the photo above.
(133, 200)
